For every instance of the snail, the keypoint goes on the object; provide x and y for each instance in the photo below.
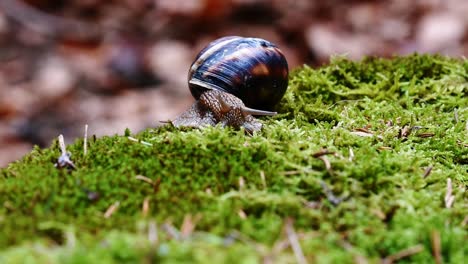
(233, 79)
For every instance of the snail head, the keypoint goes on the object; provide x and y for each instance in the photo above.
(229, 110)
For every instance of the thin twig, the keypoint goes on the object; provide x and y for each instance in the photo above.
(294, 242)
(241, 183)
(61, 140)
(449, 197)
(262, 177)
(64, 159)
(327, 164)
(145, 179)
(403, 254)
(242, 214)
(351, 154)
(188, 225)
(427, 171)
(85, 140)
(145, 207)
(436, 247)
(323, 152)
(111, 210)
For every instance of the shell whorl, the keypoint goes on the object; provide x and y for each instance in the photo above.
(251, 69)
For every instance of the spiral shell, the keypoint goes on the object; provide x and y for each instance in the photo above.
(252, 69)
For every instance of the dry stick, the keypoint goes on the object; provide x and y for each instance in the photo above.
(188, 225)
(242, 214)
(111, 209)
(455, 115)
(403, 254)
(144, 178)
(64, 159)
(262, 177)
(427, 171)
(85, 141)
(436, 250)
(61, 140)
(323, 152)
(327, 163)
(145, 207)
(294, 242)
(241, 183)
(449, 198)
(351, 154)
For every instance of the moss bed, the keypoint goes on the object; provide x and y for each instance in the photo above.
(366, 162)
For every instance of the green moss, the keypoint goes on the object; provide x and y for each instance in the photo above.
(359, 111)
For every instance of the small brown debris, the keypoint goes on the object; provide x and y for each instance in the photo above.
(436, 247)
(427, 171)
(294, 242)
(111, 210)
(403, 254)
(312, 204)
(64, 160)
(384, 148)
(262, 177)
(459, 142)
(379, 213)
(85, 141)
(241, 183)
(364, 133)
(188, 225)
(449, 197)
(156, 185)
(351, 155)
(405, 132)
(145, 207)
(323, 152)
(327, 164)
(426, 135)
(144, 178)
(242, 214)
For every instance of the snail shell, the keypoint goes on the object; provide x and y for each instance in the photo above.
(232, 76)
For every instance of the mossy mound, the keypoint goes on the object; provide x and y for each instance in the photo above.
(358, 166)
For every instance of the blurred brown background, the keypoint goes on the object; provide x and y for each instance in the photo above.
(119, 64)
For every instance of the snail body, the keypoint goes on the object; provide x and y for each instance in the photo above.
(232, 79)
